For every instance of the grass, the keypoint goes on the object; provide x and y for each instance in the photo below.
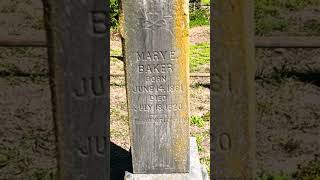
(197, 121)
(206, 162)
(312, 26)
(270, 24)
(19, 159)
(201, 135)
(309, 171)
(271, 176)
(199, 139)
(38, 23)
(264, 107)
(9, 8)
(203, 150)
(115, 52)
(206, 116)
(116, 112)
(206, 2)
(44, 174)
(199, 17)
(199, 55)
(269, 14)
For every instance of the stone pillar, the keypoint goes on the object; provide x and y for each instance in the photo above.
(157, 71)
(232, 90)
(78, 39)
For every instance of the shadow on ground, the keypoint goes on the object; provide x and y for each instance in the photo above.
(120, 162)
(312, 77)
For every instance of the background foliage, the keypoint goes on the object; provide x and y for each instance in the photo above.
(114, 13)
(198, 17)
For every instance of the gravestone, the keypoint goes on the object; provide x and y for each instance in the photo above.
(232, 90)
(78, 37)
(157, 72)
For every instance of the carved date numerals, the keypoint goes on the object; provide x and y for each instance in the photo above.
(94, 145)
(93, 86)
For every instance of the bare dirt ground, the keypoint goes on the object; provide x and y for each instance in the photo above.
(287, 88)
(199, 34)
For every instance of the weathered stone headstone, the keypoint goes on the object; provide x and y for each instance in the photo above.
(197, 172)
(78, 37)
(232, 90)
(157, 71)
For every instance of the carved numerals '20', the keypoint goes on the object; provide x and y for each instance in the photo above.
(94, 145)
(90, 86)
(99, 22)
(225, 142)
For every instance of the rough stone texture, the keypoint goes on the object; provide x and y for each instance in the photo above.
(197, 171)
(232, 90)
(156, 35)
(78, 56)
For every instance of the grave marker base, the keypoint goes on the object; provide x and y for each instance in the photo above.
(197, 171)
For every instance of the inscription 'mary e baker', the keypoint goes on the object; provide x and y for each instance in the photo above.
(157, 85)
(156, 55)
(155, 68)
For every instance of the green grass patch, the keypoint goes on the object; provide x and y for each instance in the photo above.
(117, 113)
(268, 176)
(199, 139)
(200, 54)
(197, 121)
(199, 17)
(115, 53)
(310, 171)
(272, 6)
(205, 2)
(294, 5)
(114, 13)
(38, 23)
(206, 116)
(269, 24)
(206, 162)
(269, 14)
(312, 26)
(44, 174)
